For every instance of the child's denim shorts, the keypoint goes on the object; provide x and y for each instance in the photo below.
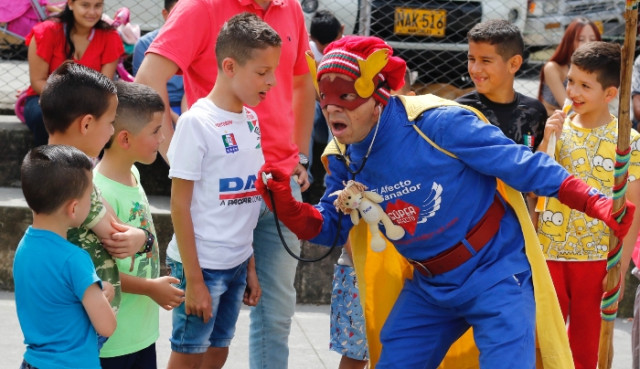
(190, 334)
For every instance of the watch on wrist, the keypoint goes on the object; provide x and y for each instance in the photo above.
(148, 244)
(303, 160)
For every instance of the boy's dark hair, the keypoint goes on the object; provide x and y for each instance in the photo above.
(242, 34)
(52, 175)
(168, 4)
(601, 58)
(72, 91)
(325, 27)
(503, 34)
(136, 105)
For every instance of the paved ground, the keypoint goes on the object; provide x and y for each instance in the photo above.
(308, 342)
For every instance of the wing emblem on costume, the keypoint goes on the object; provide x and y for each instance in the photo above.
(431, 204)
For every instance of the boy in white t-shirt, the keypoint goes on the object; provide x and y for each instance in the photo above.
(214, 158)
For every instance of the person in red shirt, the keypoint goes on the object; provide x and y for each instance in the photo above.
(77, 33)
(286, 117)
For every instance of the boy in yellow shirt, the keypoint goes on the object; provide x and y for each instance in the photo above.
(576, 245)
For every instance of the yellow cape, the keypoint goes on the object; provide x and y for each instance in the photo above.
(381, 275)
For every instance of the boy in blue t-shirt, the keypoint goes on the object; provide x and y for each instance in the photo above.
(59, 299)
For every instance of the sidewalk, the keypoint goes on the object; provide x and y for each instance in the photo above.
(308, 343)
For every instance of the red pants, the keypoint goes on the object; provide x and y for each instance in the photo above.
(579, 289)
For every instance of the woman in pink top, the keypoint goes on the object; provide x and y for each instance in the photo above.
(78, 33)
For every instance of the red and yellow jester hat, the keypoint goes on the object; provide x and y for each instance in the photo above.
(368, 61)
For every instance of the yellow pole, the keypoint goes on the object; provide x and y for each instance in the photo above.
(605, 351)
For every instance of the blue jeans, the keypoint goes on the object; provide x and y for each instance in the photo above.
(271, 318)
(33, 120)
(190, 334)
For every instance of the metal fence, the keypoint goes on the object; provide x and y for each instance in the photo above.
(429, 34)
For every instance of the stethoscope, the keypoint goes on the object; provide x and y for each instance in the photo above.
(342, 157)
(265, 178)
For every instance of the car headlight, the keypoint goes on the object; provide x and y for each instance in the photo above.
(539, 8)
(309, 6)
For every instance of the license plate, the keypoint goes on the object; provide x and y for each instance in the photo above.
(420, 22)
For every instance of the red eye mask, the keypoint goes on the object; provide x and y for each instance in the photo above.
(335, 93)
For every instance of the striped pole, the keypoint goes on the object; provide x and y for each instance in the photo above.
(609, 306)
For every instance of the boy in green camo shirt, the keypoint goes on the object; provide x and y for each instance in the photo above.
(78, 108)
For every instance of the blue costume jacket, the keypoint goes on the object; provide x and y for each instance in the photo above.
(437, 198)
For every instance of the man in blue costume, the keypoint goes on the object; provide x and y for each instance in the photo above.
(436, 167)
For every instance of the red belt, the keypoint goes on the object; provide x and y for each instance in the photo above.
(477, 237)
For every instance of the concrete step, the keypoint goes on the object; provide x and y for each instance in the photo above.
(16, 140)
(15, 217)
(313, 280)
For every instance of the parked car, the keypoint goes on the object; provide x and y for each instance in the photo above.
(547, 19)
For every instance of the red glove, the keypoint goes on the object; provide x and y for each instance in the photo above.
(579, 196)
(301, 218)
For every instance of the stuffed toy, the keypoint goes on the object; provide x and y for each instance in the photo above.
(365, 203)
